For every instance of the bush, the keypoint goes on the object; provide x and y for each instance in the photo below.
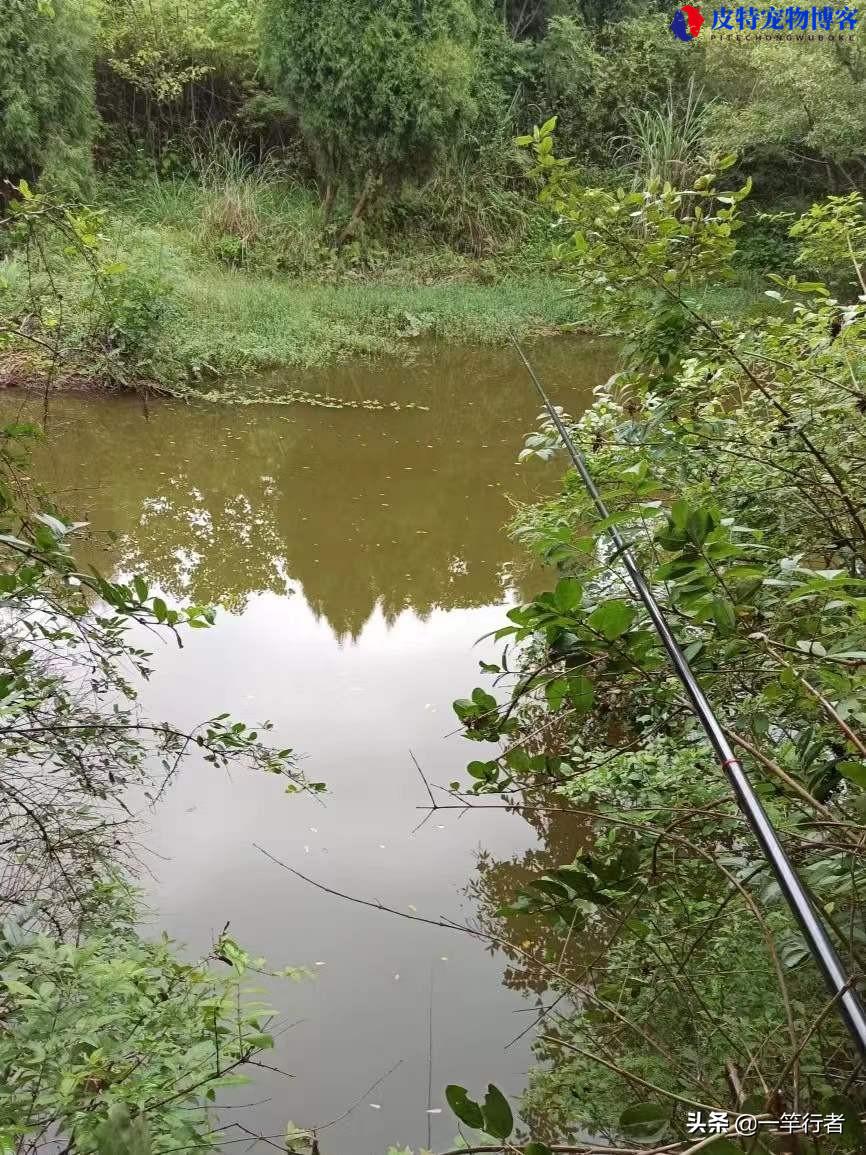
(790, 110)
(569, 73)
(109, 1037)
(47, 114)
(729, 454)
(77, 292)
(407, 76)
(764, 244)
(168, 68)
(592, 82)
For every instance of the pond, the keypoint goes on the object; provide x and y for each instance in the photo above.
(359, 555)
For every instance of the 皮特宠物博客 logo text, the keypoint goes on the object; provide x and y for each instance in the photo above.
(792, 22)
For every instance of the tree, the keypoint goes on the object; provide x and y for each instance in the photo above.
(791, 109)
(378, 89)
(594, 72)
(164, 68)
(47, 115)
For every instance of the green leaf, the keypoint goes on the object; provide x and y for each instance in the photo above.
(645, 1122)
(498, 1119)
(519, 760)
(811, 287)
(14, 987)
(723, 614)
(582, 693)
(698, 525)
(483, 771)
(568, 595)
(679, 514)
(466, 1109)
(854, 771)
(739, 573)
(612, 619)
(481, 698)
(555, 692)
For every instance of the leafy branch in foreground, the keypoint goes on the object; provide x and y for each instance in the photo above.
(109, 1042)
(102, 321)
(730, 455)
(116, 1044)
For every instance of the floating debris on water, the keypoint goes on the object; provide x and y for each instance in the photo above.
(293, 397)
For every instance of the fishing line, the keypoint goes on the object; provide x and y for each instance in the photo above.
(847, 1001)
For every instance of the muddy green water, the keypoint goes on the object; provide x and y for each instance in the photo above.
(359, 555)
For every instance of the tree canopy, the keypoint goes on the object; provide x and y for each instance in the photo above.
(47, 113)
(378, 90)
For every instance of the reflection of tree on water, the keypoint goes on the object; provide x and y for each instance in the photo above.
(561, 838)
(353, 533)
(362, 508)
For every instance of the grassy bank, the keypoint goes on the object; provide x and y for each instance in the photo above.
(207, 281)
(227, 321)
(229, 273)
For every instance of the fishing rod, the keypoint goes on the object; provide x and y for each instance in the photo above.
(846, 999)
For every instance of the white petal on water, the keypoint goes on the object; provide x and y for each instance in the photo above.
(434, 1111)
(412, 907)
(376, 1106)
(320, 964)
(396, 978)
(444, 958)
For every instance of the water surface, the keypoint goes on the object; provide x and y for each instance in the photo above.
(359, 554)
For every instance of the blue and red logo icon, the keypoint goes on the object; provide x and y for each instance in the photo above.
(687, 22)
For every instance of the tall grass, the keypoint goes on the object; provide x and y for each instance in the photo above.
(468, 204)
(229, 207)
(666, 142)
(233, 190)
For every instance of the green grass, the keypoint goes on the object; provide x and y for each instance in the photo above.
(245, 282)
(228, 321)
(248, 282)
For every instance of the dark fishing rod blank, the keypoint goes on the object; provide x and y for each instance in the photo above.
(840, 984)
